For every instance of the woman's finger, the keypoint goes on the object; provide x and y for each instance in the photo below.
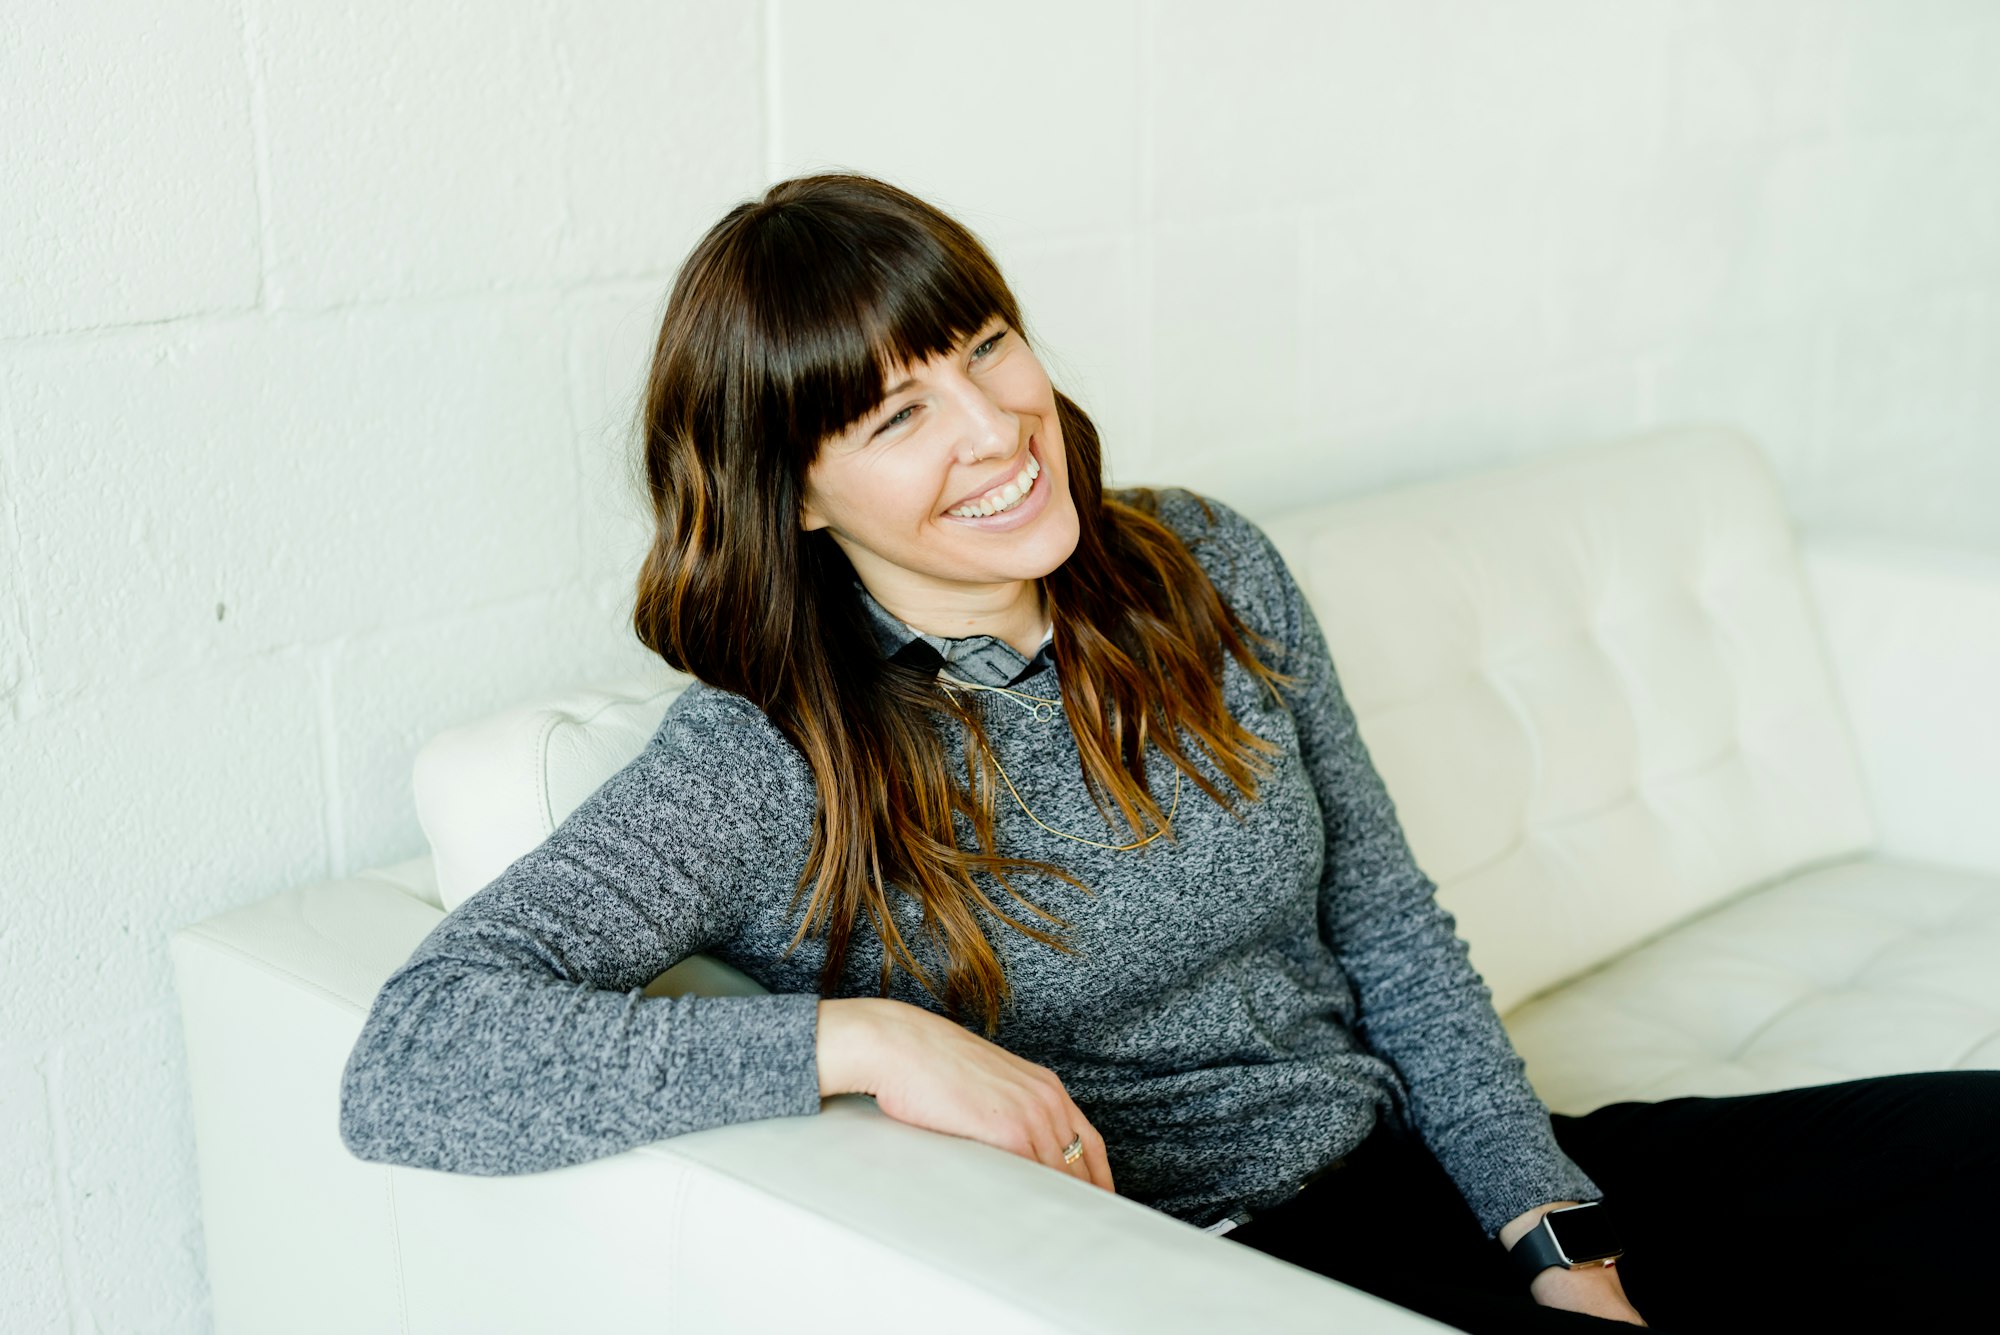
(1096, 1161)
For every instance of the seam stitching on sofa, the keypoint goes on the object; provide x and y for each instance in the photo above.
(1984, 1039)
(676, 1235)
(1884, 952)
(1645, 1016)
(1789, 972)
(1736, 1053)
(276, 970)
(539, 758)
(615, 701)
(553, 721)
(396, 1252)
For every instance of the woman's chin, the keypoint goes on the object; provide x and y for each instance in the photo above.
(1055, 540)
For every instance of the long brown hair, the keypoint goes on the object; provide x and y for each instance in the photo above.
(780, 329)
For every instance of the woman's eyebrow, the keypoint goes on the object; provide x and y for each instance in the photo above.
(908, 381)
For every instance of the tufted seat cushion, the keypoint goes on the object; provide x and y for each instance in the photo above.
(1864, 967)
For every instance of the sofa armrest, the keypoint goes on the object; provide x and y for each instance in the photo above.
(845, 1220)
(272, 994)
(1914, 637)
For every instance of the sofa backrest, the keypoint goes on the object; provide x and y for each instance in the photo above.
(1595, 687)
(1592, 682)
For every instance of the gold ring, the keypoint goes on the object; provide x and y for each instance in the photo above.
(1074, 1150)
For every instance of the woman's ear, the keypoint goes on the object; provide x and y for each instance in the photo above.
(810, 517)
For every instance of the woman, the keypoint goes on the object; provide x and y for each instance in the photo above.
(937, 661)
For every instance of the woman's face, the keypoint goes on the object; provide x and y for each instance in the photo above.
(955, 489)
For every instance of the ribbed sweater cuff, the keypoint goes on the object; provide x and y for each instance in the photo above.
(732, 1059)
(1507, 1165)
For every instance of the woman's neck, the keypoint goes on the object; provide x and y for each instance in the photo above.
(1012, 613)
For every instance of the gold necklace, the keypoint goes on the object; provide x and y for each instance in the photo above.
(1043, 710)
(1041, 707)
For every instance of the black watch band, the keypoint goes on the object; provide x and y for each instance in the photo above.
(1572, 1237)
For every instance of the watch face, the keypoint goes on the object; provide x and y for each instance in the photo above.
(1585, 1232)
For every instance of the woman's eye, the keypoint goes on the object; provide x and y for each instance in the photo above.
(901, 414)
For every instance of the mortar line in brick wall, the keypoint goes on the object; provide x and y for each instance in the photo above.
(82, 335)
(333, 816)
(1819, 402)
(610, 280)
(1840, 77)
(566, 99)
(260, 152)
(1985, 346)
(768, 68)
(1145, 250)
(27, 701)
(65, 1208)
(579, 474)
(1144, 181)
(1303, 409)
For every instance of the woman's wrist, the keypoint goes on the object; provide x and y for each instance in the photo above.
(848, 1044)
(1595, 1289)
(1521, 1225)
(1557, 1287)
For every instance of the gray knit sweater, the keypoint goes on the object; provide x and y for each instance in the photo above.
(1243, 1005)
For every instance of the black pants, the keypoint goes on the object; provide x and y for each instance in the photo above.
(1870, 1205)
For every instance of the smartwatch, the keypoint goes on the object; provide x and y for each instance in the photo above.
(1572, 1237)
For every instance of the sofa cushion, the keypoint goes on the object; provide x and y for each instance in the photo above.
(1864, 967)
(1594, 684)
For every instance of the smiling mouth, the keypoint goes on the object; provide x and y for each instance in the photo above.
(1002, 498)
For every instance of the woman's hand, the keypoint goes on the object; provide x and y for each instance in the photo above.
(1594, 1291)
(932, 1072)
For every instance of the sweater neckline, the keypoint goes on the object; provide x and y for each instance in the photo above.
(986, 660)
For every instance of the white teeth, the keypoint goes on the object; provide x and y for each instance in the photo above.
(1005, 498)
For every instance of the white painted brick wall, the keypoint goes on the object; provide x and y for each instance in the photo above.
(131, 185)
(321, 327)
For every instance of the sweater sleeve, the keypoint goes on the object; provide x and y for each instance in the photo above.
(1423, 1007)
(517, 1037)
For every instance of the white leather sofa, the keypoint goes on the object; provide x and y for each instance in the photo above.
(1716, 810)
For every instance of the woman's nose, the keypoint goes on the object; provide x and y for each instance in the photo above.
(985, 429)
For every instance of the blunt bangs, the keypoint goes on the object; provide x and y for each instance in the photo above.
(850, 288)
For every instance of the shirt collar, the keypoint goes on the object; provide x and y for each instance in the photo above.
(985, 660)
